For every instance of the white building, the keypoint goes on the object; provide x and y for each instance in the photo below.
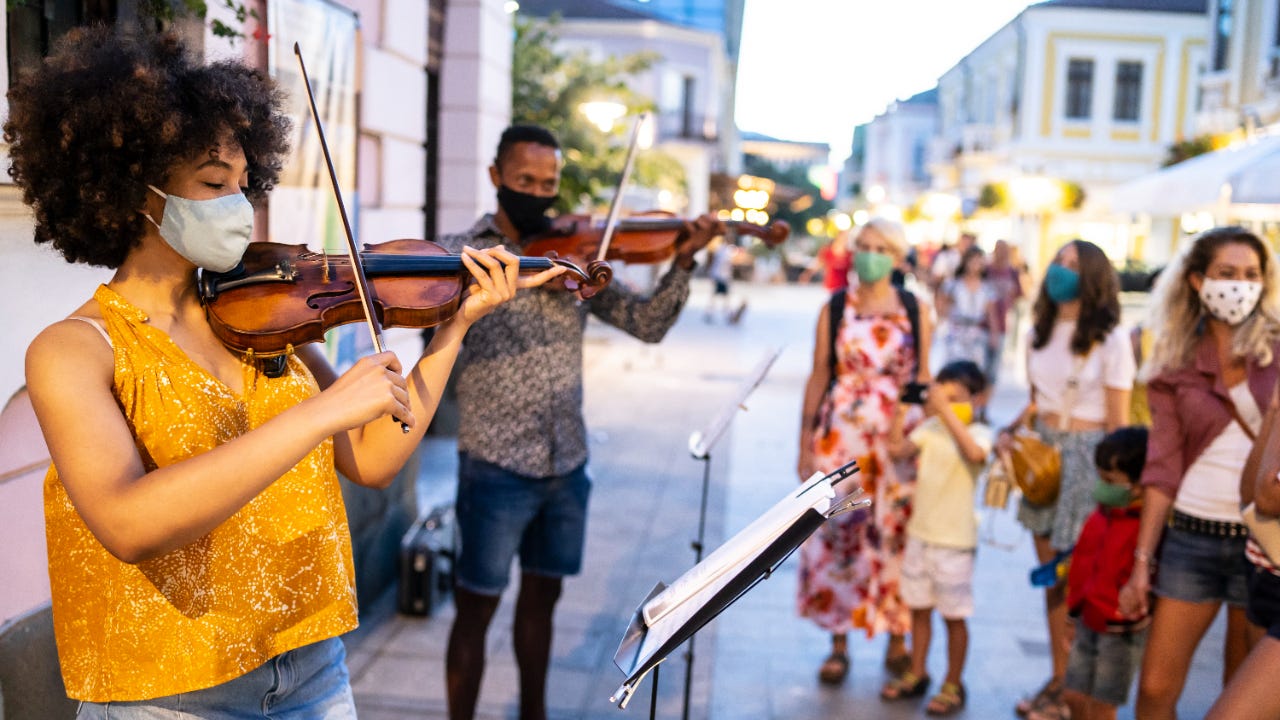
(1090, 92)
(894, 167)
(1240, 80)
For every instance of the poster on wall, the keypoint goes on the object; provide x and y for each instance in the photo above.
(303, 208)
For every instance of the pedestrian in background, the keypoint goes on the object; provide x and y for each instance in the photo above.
(1080, 368)
(937, 564)
(522, 441)
(1215, 317)
(1106, 644)
(865, 354)
(833, 261)
(966, 306)
(1009, 283)
(720, 270)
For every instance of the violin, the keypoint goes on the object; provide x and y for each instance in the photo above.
(281, 296)
(640, 239)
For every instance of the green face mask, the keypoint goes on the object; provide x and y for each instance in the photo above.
(872, 266)
(1112, 496)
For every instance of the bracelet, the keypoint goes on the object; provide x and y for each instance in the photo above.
(1143, 556)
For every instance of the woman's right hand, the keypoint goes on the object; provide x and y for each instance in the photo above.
(370, 389)
(1134, 596)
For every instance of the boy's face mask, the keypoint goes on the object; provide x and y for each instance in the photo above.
(1112, 496)
(963, 411)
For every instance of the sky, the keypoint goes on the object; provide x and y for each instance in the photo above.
(811, 70)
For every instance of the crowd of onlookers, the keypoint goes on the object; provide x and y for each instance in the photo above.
(1163, 506)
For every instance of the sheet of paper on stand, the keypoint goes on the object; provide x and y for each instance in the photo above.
(671, 615)
(700, 442)
(814, 493)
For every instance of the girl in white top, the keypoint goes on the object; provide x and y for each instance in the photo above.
(1080, 365)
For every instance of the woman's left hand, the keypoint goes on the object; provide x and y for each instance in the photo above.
(496, 272)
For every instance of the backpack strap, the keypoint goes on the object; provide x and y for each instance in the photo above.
(912, 306)
(835, 314)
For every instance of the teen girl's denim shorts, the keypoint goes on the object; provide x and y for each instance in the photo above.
(1202, 568)
(309, 683)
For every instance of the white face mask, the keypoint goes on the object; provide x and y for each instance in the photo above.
(1231, 301)
(212, 234)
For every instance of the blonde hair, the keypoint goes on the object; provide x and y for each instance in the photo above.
(892, 232)
(1176, 310)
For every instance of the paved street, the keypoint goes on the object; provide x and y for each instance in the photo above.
(757, 660)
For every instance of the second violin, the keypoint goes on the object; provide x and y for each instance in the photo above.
(641, 239)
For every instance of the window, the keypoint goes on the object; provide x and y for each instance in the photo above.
(1274, 56)
(1222, 34)
(1128, 104)
(1079, 89)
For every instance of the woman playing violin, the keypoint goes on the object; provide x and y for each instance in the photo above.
(198, 543)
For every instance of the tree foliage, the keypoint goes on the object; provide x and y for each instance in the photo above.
(548, 88)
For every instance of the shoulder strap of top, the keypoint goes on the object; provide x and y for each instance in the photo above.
(96, 326)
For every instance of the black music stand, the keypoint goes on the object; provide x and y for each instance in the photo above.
(672, 614)
(700, 444)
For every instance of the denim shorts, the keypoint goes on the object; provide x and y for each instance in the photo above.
(1264, 600)
(501, 513)
(1102, 665)
(1202, 568)
(309, 683)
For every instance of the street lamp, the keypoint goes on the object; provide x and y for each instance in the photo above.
(603, 113)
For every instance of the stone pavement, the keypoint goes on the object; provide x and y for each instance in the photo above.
(757, 660)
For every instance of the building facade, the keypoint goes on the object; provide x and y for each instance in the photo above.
(895, 167)
(1067, 100)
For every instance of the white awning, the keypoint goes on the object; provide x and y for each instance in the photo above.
(1242, 173)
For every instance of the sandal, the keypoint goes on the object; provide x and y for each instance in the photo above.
(1050, 710)
(948, 701)
(834, 669)
(1050, 693)
(906, 685)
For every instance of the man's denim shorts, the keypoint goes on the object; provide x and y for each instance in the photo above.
(309, 683)
(1202, 568)
(501, 513)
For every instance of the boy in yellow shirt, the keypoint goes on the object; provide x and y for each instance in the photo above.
(937, 564)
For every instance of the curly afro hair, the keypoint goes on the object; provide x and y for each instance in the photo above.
(107, 114)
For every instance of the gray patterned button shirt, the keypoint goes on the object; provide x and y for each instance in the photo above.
(519, 376)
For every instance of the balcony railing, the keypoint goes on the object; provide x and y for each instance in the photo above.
(687, 126)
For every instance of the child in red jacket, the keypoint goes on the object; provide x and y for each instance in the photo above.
(1107, 647)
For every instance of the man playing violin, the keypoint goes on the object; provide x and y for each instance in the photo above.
(522, 446)
(198, 543)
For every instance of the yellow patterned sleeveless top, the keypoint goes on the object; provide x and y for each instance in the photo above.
(275, 576)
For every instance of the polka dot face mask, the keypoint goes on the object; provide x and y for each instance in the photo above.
(1231, 301)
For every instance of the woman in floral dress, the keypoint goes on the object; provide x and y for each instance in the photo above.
(849, 569)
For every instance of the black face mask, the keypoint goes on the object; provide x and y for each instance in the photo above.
(526, 212)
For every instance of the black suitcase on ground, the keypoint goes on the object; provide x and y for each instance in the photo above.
(426, 562)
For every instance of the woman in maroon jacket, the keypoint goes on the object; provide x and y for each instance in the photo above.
(1216, 320)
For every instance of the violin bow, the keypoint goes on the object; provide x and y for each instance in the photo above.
(616, 204)
(357, 270)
